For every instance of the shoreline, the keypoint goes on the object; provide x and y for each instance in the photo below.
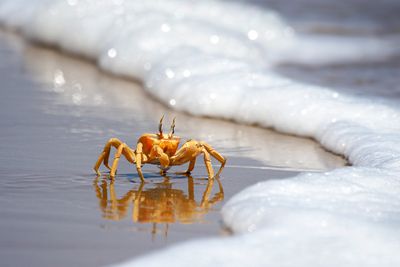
(55, 140)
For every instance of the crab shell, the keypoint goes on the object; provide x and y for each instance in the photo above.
(168, 144)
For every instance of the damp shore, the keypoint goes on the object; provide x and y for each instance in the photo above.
(57, 111)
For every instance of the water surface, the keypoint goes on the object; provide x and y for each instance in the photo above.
(57, 111)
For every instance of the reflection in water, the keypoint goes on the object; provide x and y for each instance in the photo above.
(157, 203)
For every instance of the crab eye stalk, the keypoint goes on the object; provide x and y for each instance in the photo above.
(171, 134)
(160, 126)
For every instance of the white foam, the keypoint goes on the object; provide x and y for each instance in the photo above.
(213, 58)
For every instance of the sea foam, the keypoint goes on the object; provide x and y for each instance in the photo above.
(215, 58)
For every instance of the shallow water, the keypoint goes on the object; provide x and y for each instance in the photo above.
(56, 112)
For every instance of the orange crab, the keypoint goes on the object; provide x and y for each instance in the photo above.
(160, 149)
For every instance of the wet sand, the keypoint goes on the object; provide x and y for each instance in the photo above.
(56, 113)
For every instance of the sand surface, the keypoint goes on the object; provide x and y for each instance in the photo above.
(57, 111)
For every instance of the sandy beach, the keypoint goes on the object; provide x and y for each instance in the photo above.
(57, 112)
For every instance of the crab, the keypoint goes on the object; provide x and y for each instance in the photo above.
(162, 150)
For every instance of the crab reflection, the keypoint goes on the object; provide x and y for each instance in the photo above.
(158, 203)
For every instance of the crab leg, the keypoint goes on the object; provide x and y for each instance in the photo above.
(216, 155)
(207, 161)
(106, 153)
(139, 156)
(116, 160)
(115, 142)
(127, 152)
(98, 162)
(191, 165)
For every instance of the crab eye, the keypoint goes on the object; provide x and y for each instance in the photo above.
(160, 126)
(171, 134)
